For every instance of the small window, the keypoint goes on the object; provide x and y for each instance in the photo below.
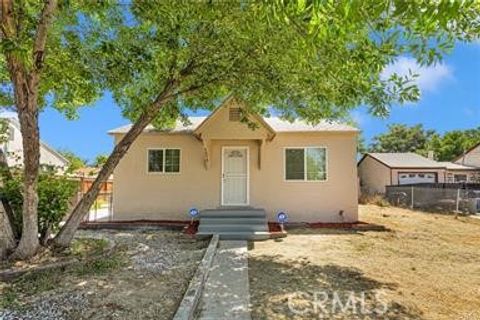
(306, 164)
(460, 178)
(164, 160)
(421, 175)
(234, 114)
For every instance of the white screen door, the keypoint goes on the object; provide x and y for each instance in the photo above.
(235, 176)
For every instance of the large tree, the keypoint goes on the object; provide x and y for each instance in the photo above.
(445, 147)
(308, 59)
(454, 143)
(75, 161)
(43, 62)
(403, 138)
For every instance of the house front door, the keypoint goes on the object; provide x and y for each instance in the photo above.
(235, 176)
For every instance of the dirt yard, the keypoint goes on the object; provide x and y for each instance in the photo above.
(427, 266)
(145, 278)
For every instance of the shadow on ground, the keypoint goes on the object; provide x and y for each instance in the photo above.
(359, 230)
(297, 289)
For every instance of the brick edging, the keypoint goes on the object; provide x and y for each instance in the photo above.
(191, 298)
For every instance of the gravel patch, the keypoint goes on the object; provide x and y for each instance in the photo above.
(150, 284)
(59, 307)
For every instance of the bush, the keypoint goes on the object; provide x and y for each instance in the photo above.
(376, 199)
(54, 197)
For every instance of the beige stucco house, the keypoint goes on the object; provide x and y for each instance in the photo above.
(378, 170)
(218, 161)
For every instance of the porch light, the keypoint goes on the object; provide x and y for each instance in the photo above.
(282, 218)
(193, 212)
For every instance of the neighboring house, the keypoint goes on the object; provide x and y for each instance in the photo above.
(13, 147)
(470, 158)
(456, 172)
(218, 161)
(378, 170)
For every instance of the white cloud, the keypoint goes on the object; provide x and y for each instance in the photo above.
(429, 78)
(471, 111)
(359, 117)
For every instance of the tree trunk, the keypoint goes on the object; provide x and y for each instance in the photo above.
(29, 243)
(25, 83)
(65, 236)
(45, 236)
(7, 240)
(9, 214)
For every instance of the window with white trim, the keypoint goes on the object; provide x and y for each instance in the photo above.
(164, 160)
(306, 164)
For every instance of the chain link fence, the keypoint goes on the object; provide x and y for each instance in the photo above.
(436, 197)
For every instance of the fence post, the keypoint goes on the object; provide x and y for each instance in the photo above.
(411, 204)
(458, 200)
(457, 206)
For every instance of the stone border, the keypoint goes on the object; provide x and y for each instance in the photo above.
(189, 304)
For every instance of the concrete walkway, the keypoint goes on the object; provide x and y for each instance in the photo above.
(226, 292)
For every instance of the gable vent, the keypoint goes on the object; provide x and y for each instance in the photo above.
(234, 114)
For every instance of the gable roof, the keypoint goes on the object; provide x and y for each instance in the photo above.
(277, 124)
(12, 119)
(179, 127)
(272, 124)
(230, 98)
(466, 152)
(404, 160)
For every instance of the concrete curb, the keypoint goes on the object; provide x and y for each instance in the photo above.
(188, 306)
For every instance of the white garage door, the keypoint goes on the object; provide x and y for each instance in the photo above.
(416, 177)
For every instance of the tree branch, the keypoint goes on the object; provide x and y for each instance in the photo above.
(7, 25)
(41, 34)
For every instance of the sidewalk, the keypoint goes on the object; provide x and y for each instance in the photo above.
(226, 293)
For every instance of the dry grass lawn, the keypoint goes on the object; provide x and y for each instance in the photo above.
(426, 267)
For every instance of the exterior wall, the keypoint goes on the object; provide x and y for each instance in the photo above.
(472, 158)
(472, 176)
(374, 176)
(14, 151)
(140, 195)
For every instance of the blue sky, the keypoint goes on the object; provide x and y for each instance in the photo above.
(450, 100)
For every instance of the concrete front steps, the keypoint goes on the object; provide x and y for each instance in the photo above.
(234, 223)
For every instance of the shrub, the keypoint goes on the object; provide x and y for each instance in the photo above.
(54, 197)
(376, 199)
